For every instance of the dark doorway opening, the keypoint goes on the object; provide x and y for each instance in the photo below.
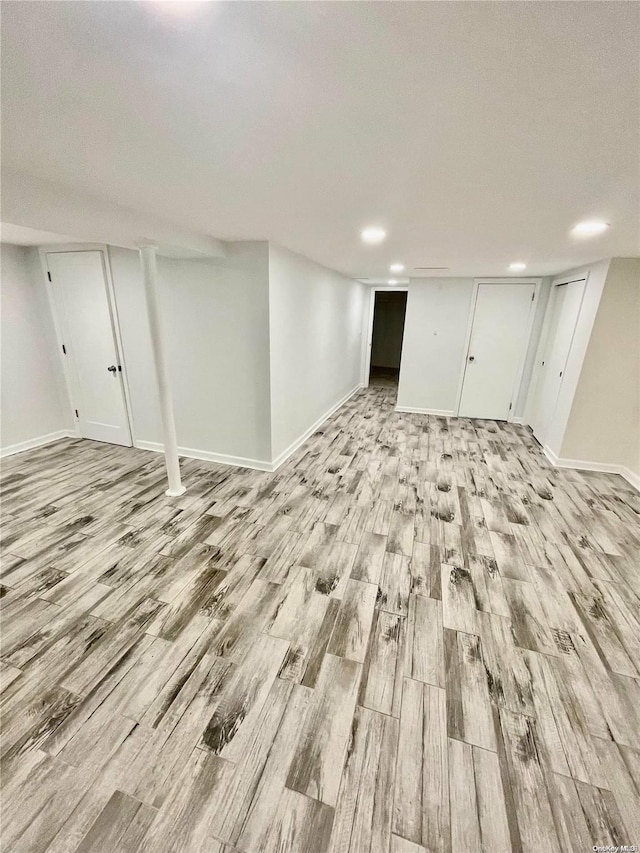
(386, 342)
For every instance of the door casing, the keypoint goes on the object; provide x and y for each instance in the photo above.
(57, 248)
(537, 282)
(543, 347)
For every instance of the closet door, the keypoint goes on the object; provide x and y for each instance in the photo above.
(79, 287)
(499, 338)
(567, 299)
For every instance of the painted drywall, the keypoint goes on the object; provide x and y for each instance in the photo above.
(34, 402)
(230, 333)
(543, 293)
(433, 346)
(216, 326)
(604, 420)
(388, 328)
(316, 342)
(595, 275)
(438, 314)
(36, 203)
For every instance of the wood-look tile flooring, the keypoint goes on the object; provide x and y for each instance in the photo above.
(416, 635)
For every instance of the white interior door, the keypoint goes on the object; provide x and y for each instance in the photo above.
(567, 299)
(499, 338)
(92, 364)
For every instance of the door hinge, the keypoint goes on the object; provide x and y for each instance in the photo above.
(48, 275)
(533, 296)
(510, 405)
(64, 349)
(77, 415)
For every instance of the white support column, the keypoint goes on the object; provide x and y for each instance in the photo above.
(150, 274)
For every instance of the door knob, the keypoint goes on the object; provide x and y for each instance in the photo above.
(472, 358)
(112, 368)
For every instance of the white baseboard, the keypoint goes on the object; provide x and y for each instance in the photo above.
(241, 461)
(602, 467)
(631, 477)
(208, 456)
(39, 441)
(277, 462)
(441, 413)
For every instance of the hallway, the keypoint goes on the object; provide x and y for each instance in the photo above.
(415, 635)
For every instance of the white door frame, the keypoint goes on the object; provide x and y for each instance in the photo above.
(366, 362)
(58, 248)
(537, 282)
(541, 352)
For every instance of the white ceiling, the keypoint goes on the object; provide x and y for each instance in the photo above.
(477, 133)
(18, 235)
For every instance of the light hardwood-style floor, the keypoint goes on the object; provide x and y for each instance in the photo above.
(416, 635)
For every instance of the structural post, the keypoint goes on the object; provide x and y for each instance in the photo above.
(150, 274)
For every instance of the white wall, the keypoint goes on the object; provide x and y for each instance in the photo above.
(433, 350)
(316, 342)
(33, 400)
(433, 345)
(596, 275)
(216, 323)
(604, 420)
(248, 356)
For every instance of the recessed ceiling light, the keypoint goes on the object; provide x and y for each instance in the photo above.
(179, 8)
(396, 268)
(589, 228)
(373, 234)
(518, 266)
(393, 281)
